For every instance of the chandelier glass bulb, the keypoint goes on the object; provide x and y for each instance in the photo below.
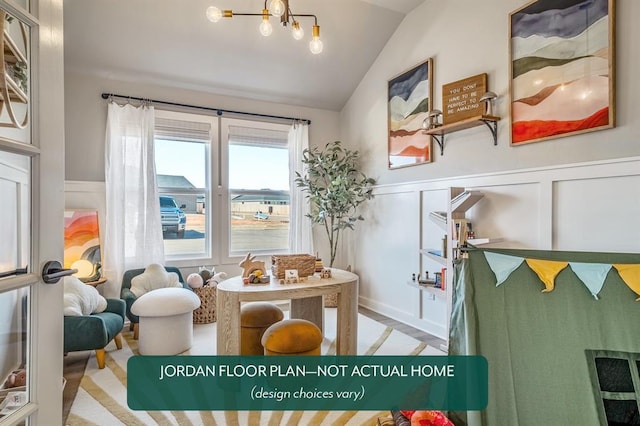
(297, 31)
(265, 28)
(315, 45)
(276, 7)
(214, 14)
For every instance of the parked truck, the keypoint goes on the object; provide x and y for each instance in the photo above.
(173, 218)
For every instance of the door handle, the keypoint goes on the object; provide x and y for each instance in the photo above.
(18, 271)
(53, 271)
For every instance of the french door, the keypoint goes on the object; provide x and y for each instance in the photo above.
(31, 210)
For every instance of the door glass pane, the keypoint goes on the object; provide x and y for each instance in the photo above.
(14, 302)
(14, 212)
(14, 335)
(24, 4)
(15, 90)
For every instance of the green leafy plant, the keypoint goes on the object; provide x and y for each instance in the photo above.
(335, 188)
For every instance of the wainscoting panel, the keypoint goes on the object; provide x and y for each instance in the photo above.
(591, 206)
(597, 214)
(388, 243)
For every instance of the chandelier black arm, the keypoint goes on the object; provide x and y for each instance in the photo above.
(306, 16)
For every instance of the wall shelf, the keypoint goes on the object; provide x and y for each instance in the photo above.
(440, 219)
(465, 200)
(428, 288)
(433, 254)
(454, 221)
(482, 241)
(439, 132)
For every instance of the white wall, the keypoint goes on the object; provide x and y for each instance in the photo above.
(590, 206)
(572, 193)
(469, 37)
(86, 117)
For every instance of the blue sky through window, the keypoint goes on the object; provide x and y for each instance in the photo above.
(250, 167)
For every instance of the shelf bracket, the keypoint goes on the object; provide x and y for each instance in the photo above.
(440, 141)
(493, 128)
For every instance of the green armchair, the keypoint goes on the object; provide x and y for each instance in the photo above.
(129, 297)
(95, 331)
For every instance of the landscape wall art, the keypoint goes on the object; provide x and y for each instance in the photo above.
(409, 101)
(81, 237)
(562, 74)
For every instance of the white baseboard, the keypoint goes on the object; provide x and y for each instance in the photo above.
(427, 326)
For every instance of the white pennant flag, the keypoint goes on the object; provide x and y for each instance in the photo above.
(502, 265)
(592, 275)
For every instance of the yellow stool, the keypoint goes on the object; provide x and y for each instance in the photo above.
(255, 318)
(292, 337)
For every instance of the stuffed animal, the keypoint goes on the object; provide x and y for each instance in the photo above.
(217, 278)
(195, 281)
(16, 379)
(206, 274)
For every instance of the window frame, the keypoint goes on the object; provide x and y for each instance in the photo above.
(211, 254)
(228, 257)
(217, 199)
(633, 359)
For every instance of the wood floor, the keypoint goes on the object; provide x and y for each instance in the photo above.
(403, 328)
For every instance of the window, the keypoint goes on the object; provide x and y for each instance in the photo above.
(616, 385)
(258, 187)
(221, 198)
(183, 169)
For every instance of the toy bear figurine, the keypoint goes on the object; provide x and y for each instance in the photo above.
(16, 379)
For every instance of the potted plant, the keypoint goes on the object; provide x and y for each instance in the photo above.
(335, 188)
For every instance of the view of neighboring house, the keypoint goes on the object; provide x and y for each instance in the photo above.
(190, 201)
(267, 201)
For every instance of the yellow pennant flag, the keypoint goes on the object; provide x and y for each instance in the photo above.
(547, 271)
(630, 274)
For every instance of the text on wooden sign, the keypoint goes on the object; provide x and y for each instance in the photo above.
(461, 99)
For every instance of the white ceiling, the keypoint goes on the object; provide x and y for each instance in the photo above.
(171, 43)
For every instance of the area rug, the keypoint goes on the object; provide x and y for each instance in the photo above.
(102, 396)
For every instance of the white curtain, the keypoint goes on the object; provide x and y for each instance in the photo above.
(300, 232)
(133, 227)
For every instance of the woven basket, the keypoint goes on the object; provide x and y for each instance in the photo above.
(304, 263)
(206, 313)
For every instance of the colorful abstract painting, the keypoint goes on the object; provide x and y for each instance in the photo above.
(409, 102)
(561, 69)
(81, 237)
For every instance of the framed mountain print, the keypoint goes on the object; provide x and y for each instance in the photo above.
(409, 100)
(562, 69)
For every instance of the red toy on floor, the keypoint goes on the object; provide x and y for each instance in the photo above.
(427, 418)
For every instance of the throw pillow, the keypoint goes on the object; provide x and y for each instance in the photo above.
(81, 299)
(153, 277)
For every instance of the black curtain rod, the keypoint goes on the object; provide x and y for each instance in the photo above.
(217, 110)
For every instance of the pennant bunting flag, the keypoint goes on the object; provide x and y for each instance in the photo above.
(592, 275)
(502, 265)
(547, 270)
(630, 274)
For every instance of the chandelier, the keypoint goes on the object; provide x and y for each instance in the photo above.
(279, 9)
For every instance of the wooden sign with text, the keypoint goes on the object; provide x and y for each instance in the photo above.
(461, 99)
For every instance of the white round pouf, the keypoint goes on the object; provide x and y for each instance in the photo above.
(166, 320)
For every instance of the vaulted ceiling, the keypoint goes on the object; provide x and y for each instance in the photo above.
(171, 43)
